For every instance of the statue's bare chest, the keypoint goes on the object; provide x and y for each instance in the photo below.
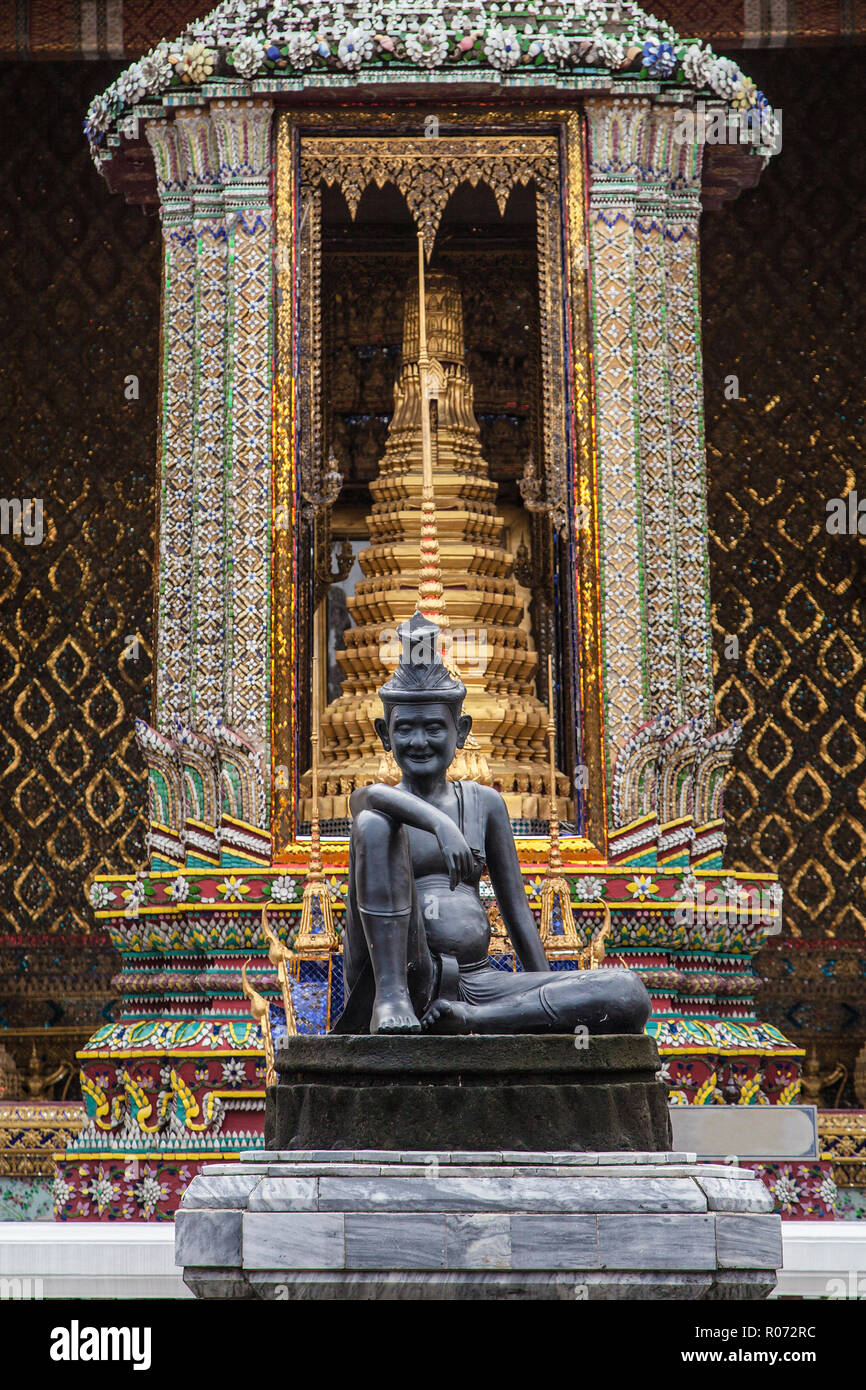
(427, 857)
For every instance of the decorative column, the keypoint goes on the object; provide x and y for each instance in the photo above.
(585, 471)
(688, 453)
(662, 693)
(617, 136)
(644, 207)
(243, 134)
(283, 691)
(207, 455)
(174, 602)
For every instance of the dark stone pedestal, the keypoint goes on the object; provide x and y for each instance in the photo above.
(524, 1093)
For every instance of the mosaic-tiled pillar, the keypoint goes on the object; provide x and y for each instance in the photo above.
(617, 132)
(644, 205)
(207, 461)
(174, 595)
(591, 671)
(283, 752)
(688, 452)
(243, 132)
(657, 494)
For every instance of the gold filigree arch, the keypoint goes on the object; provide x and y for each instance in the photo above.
(427, 170)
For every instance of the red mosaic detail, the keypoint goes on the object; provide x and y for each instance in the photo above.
(800, 1191)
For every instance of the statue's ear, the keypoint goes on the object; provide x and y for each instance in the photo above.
(464, 726)
(382, 730)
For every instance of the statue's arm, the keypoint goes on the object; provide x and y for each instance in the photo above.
(407, 809)
(401, 806)
(504, 868)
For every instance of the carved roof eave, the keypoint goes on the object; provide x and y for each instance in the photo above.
(128, 166)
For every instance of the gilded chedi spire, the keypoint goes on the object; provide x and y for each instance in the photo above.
(484, 611)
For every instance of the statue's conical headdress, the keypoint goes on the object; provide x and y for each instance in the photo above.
(421, 674)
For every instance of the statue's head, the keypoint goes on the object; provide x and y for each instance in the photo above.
(424, 723)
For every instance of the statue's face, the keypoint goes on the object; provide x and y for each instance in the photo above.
(424, 737)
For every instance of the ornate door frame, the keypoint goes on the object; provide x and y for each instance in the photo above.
(548, 151)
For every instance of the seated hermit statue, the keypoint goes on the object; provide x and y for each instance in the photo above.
(417, 936)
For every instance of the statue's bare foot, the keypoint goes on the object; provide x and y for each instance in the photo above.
(394, 1016)
(446, 1016)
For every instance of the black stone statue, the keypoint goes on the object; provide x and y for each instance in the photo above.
(416, 940)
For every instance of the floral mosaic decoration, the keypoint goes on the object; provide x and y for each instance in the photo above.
(800, 1191)
(249, 40)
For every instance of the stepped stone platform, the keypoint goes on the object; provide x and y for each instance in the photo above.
(367, 1224)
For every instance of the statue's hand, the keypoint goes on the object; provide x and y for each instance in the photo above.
(457, 854)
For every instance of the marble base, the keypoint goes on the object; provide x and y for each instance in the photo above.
(362, 1224)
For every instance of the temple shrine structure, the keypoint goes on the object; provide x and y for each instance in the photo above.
(551, 159)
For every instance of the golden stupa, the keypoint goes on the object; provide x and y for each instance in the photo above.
(490, 648)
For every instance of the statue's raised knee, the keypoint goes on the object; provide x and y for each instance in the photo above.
(631, 1005)
(372, 825)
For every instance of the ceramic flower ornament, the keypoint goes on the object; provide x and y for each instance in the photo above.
(196, 63)
(248, 57)
(355, 45)
(249, 39)
(156, 70)
(502, 47)
(429, 46)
